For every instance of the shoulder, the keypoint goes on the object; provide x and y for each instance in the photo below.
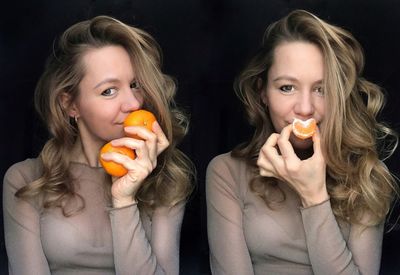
(227, 170)
(22, 173)
(226, 161)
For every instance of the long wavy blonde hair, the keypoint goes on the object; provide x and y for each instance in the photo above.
(354, 142)
(171, 181)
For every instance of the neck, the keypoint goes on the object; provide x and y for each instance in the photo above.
(87, 153)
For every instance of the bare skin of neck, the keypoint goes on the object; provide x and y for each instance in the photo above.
(86, 153)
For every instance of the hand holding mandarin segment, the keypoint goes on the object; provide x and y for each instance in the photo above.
(306, 177)
(147, 146)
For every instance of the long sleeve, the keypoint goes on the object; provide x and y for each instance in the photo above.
(328, 251)
(228, 250)
(21, 228)
(134, 253)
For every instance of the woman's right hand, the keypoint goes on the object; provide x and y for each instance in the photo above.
(307, 177)
(124, 189)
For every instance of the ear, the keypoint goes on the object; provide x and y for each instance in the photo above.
(68, 106)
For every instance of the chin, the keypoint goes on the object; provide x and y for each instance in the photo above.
(112, 136)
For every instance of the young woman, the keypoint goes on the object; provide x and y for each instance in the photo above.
(62, 213)
(282, 205)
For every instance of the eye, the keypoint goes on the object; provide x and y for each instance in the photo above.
(109, 92)
(287, 88)
(135, 85)
(319, 90)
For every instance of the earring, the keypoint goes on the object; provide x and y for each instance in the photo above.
(76, 119)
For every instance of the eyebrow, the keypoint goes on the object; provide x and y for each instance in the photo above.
(285, 77)
(291, 78)
(107, 80)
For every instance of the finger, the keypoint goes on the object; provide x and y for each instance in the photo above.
(140, 132)
(270, 145)
(285, 147)
(129, 142)
(122, 159)
(264, 164)
(162, 141)
(271, 153)
(148, 136)
(317, 142)
(140, 147)
(267, 173)
(139, 166)
(141, 150)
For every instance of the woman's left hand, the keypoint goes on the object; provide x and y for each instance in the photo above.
(307, 177)
(124, 189)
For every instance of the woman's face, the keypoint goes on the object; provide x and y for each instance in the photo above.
(294, 87)
(108, 92)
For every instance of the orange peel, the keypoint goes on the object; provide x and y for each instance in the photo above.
(141, 118)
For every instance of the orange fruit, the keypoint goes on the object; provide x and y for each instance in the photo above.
(140, 118)
(304, 129)
(111, 167)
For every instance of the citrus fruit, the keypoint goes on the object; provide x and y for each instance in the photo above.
(111, 167)
(304, 129)
(140, 118)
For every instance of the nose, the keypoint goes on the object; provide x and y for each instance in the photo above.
(131, 101)
(304, 107)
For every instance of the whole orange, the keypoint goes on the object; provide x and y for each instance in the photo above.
(140, 118)
(111, 167)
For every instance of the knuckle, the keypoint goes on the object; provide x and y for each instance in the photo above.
(280, 141)
(275, 136)
(263, 173)
(149, 169)
(152, 137)
(141, 143)
(125, 158)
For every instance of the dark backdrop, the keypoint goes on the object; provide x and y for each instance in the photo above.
(205, 44)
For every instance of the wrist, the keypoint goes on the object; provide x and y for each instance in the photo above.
(122, 202)
(311, 201)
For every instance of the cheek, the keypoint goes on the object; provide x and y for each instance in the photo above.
(140, 98)
(276, 118)
(321, 108)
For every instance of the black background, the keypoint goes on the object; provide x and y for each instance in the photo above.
(205, 44)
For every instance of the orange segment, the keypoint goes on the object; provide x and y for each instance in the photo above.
(140, 118)
(111, 167)
(304, 129)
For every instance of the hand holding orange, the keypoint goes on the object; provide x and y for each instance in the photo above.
(137, 118)
(304, 129)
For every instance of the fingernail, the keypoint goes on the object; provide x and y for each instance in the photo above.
(156, 125)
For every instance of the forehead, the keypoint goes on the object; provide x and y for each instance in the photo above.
(100, 60)
(298, 58)
(105, 54)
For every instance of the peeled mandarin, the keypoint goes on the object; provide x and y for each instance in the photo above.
(304, 129)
